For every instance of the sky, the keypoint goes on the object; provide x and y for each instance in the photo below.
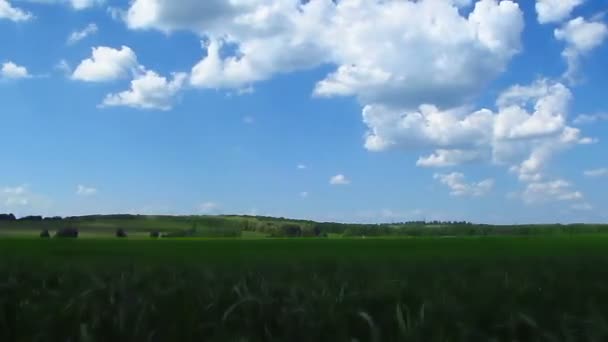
(347, 110)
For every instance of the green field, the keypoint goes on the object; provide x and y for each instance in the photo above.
(551, 288)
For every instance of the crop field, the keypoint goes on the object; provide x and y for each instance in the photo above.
(548, 288)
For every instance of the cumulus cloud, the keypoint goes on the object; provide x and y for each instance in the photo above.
(603, 172)
(7, 11)
(339, 179)
(448, 56)
(551, 11)
(106, 64)
(458, 185)
(581, 37)
(83, 190)
(148, 91)
(13, 71)
(526, 130)
(556, 190)
(445, 158)
(77, 36)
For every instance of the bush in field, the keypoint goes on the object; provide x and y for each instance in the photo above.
(121, 233)
(288, 230)
(67, 233)
(45, 234)
(155, 234)
(311, 231)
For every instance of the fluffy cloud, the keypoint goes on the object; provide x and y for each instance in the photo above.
(603, 172)
(106, 64)
(83, 190)
(77, 36)
(339, 179)
(13, 71)
(458, 186)
(401, 52)
(7, 11)
(556, 190)
(148, 91)
(438, 57)
(550, 11)
(445, 158)
(581, 37)
(527, 129)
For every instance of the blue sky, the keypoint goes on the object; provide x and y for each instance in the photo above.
(359, 111)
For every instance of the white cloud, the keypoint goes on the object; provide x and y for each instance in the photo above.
(17, 190)
(7, 11)
(86, 191)
(248, 41)
(302, 166)
(556, 190)
(603, 172)
(77, 36)
(83, 4)
(21, 200)
(106, 64)
(459, 187)
(527, 129)
(13, 71)
(339, 179)
(148, 91)
(208, 207)
(75, 4)
(581, 37)
(436, 71)
(445, 158)
(551, 11)
(584, 119)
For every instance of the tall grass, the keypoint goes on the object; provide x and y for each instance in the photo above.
(501, 289)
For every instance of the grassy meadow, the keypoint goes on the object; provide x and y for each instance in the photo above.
(497, 287)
